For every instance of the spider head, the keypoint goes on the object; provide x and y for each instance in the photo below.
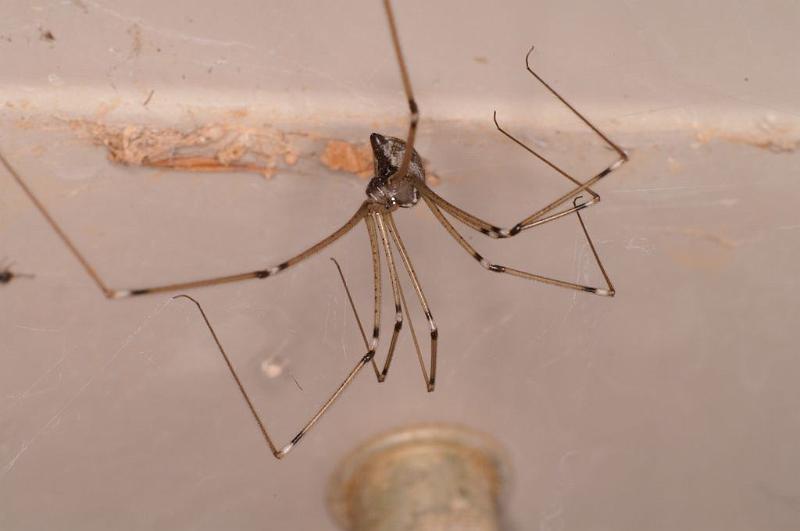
(388, 153)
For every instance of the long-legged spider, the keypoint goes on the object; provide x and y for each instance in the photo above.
(399, 182)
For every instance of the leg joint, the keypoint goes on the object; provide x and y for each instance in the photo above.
(412, 105)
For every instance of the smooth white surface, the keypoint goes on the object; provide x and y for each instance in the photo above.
(672, 406)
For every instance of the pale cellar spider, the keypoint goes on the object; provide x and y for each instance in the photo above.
(398, 182)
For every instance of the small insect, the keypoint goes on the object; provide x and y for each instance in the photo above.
(7, 275)
(399, 182)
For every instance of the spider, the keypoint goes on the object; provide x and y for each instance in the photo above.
(7, 275)
(399, 183)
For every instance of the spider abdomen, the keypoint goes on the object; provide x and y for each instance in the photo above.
(388, 154)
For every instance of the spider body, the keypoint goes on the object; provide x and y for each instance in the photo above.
(7, 275)
(387, 188)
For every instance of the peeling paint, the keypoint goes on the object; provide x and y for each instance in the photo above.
(211, 148)
(768, 135)
(347, 156)
(224, 148)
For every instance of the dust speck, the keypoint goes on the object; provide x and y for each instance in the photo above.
(291, 158)
(80, 5)
(136, 40)
(273, 367)
(674, 165)
(238, 114)
(149, 97)
(46, 35)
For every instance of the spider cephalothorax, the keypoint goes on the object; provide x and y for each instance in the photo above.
(388, 152)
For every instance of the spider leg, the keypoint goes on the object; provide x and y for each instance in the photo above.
(376, 268)
(280, 453)
(534, 220)
(412, 104)
(537, 217)
(544, 214)
(259, 274)
(61, 234)
(117, 294)
(609, 291)
(396, 292)
(430, 381)
(377, 220)
(622, 155)
(352, 304)
(377, 284)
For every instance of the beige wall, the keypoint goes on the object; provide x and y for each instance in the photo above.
(672, 406)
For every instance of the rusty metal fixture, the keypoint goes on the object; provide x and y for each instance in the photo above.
(427, 477)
